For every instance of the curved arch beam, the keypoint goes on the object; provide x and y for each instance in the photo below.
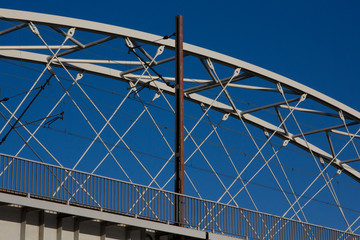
(115, 31)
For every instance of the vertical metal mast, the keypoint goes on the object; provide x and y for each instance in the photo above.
(179, 120)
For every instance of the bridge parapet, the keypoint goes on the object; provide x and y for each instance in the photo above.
(75, 188)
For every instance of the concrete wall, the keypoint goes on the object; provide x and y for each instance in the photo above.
(25, 223)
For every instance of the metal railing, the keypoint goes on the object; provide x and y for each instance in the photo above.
(45, 181)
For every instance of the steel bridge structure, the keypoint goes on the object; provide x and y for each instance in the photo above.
(87, 131)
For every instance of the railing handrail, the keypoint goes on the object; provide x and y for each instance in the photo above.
(147, 188)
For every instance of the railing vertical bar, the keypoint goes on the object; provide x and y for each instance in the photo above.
(158, 206)
(138, 196)
(71, 180)
(281, 233)
(163, 208)
(39, 179)
(263, 224)
(192, 218)
(3, 172)
(147, 203)
(75, 187)
(89, 194)
(97, 190)
(36, 178)
(260, 224)
(17, 176)
(7, 173)
(68, 186)
(239, 222)
(9, 170)
(118, 199)
(92, 183)
(245, 223)
(20, 176)
(13, 175)
(167, 207)
(233, 227)
(108, 193)
(84, 189)
(128, 198)
(90, 189)
(222, 210)
(225, 213)
(53, 180)
(103, 204)
(79, 187)
(285, 234)
(48, 181)
(121, 205)
(117, 196)
(57, 185)
(86, 192)
(270, 230)
(130, 201)
(44, 180)
(248, 230)
(62, 185)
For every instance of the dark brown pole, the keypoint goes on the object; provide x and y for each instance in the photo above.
(179, 120)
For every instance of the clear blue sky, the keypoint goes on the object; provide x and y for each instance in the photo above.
(313, 42)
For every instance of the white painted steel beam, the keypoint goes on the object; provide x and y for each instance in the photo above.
(115, 31)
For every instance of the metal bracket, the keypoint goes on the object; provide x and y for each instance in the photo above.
(34, 29)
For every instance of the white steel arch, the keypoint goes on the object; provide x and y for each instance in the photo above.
(290, 95)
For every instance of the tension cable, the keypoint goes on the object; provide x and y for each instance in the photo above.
(152, 69)
(28, 106)
(48, 123)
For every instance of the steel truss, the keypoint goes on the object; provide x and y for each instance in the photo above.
(73, 53)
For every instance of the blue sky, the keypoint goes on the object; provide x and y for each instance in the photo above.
(315, 43)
